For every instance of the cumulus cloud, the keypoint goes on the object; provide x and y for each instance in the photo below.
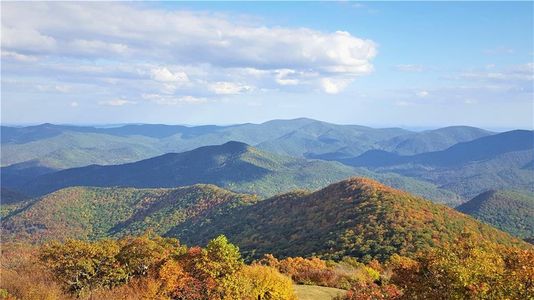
(229, 88)
(286, 77)
(172, 42)
(334, 85)
(164, 75)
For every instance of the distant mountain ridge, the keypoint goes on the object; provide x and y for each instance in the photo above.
(433, 140)
(233, 165)
(461, 153)
(464, 161)
(500, 161)
(63, 146)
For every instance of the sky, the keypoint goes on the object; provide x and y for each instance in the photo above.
(381, 64)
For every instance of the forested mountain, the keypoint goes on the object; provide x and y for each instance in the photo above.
(317, 139)
(60, 146)
(432, 140)
(96, 213)
(357, 217)
(462, 153)
(498, 161)
(233, 165)
(510, 211)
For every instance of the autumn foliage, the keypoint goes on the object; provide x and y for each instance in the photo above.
(143, 267)
(156, 268)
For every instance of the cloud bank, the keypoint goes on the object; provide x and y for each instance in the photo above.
(175, 54)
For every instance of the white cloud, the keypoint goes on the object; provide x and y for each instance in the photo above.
(334, 85)
(18, 56)
(115, 102)
(74, 104)
(229, 88)
(82, 46)
(164, 75)
(214, 45)
(23, 38)
(422, 94)
(283, 77)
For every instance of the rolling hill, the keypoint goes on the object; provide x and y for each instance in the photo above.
(356, 217)
(510, 211)
(61, 146)
(233, 165)
(432, 140)
(498, 161)
(96, 213)
(462, 153)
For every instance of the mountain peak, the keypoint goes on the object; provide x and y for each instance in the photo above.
(356, 217)
(235, 145)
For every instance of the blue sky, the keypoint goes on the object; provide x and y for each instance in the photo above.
(409, 64)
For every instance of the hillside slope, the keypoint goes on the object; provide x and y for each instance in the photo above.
(480, 149)
(233, 165)
(60, 146)
(501, 161)
(95, 213)
(356, 217)
(432, 140)
(509, 211)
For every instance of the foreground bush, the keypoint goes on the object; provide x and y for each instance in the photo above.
(155, 268)
(466, 269)
(137, 268)
(315, 271)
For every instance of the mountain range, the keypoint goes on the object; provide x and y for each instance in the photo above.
(356, 217)
(451, 166)
(500, 161)
(95, 213)
(60, 146)
(233, 165)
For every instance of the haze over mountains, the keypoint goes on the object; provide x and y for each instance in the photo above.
(449, 165)
(291, 192)
(58, 146)
(233, 165)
